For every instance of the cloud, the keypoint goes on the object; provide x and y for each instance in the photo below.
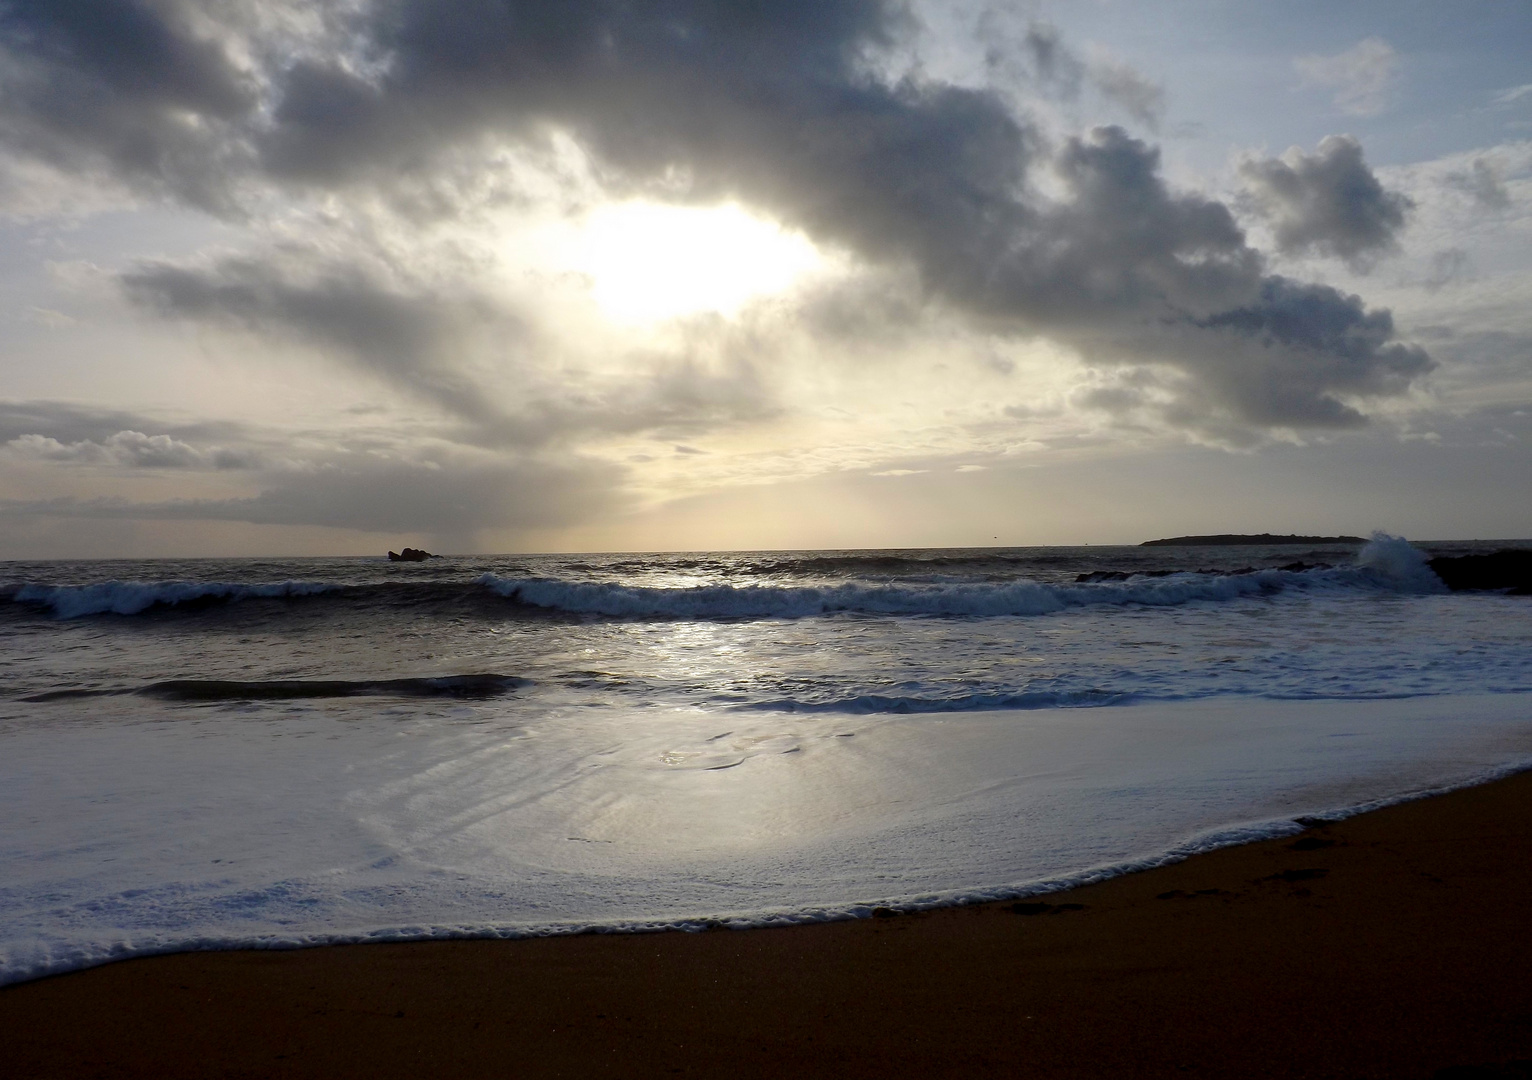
(1054, 63)
(1513, 94)
(1129, 271)
(54, 320)
(135, 88)
(456, 502)
(67, 423)
(1306, 348)
(1039, 58)
(473, 355)
(1483, 182)
(1298, 357)
(1448, 266)
(1486, 365)
(457, 499)
(787, 109)
(401, 331)
(128, 449)
(1328, 203)
(1362, 77)
(378, 479)
(1139, 97)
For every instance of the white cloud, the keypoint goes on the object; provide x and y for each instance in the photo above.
(54, 320)
(1362, 77)
(126, 449)
(1513, 94)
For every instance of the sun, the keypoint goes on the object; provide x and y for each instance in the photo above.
(649, 262)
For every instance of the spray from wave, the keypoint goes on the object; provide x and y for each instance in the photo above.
(1394, 560)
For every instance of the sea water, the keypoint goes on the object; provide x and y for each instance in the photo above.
(268, 753)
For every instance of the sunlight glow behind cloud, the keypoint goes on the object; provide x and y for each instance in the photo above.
(650, 262)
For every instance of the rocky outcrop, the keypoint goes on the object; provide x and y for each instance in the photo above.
(411, 555)
(1096, 576)
(1249, 539)
(1507, 569)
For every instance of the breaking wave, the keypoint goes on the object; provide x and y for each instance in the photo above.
(133, 597)
(1387, 564)
(977, 599)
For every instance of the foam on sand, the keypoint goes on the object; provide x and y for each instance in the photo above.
(127, 836)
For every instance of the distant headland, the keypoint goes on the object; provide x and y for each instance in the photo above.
(1249, 539)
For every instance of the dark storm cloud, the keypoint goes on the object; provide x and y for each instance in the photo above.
(1122, 248)
(1328, 202)
(1130, 271)
(129, 85)
(1290, 359)
(1310, 344)
(780, 106)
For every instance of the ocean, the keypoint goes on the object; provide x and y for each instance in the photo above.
(220, 753)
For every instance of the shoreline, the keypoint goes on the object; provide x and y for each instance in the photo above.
(1141, 843)
(1389, 943)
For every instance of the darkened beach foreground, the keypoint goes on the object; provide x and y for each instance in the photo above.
(1394, 944)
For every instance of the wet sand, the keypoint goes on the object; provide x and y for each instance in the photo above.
(1396, 944)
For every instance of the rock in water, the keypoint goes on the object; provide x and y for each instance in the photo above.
(1508, 568)
(410, 554)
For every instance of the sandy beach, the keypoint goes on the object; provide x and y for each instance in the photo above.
(1392, 944)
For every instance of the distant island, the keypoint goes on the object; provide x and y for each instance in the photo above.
(1250, 539)
(410, 554)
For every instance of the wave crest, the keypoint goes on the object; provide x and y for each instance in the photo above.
(1015, 598)
(133, 597)
(1387, 564)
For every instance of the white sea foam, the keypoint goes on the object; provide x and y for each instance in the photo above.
(129, 838)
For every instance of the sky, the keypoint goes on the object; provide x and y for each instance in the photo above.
(337, 276)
